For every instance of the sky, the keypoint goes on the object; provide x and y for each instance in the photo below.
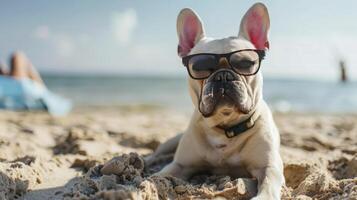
(307, 38)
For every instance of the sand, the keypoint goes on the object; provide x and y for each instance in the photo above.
(97, 153)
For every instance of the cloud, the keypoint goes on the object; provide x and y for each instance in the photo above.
(64, 45)
(42, 32)
(123, 25)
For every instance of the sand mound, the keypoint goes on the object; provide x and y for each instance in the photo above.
(306, 181)
(344, 167)
(124, 177)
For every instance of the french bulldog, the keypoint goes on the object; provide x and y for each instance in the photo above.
(232, 131)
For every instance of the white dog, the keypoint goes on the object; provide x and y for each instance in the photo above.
(232, 130)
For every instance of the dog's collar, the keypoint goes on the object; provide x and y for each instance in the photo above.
(242, 126)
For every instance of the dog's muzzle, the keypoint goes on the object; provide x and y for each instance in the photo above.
(225, 87)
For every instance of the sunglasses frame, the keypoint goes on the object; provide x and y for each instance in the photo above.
(186, 59)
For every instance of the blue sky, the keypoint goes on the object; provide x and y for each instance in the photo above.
(86, 36)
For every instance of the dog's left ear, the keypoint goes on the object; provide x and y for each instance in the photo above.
(255, 26)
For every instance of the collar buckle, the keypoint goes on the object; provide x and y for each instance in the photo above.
(229, 134)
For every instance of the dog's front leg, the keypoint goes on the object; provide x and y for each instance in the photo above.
(167, 147)
(186, 158)
(270, 181)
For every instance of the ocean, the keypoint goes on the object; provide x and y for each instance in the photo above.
(282, 95)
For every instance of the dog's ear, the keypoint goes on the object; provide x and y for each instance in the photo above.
(255, 25)
(189, 31)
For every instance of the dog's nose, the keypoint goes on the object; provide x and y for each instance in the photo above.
(224, 76)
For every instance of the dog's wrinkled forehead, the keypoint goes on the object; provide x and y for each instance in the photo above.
(221, 46)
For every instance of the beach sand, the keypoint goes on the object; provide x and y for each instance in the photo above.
(43, 157)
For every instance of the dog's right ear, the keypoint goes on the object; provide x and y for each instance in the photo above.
(189, 31)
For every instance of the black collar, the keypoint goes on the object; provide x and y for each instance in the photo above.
(242, 126)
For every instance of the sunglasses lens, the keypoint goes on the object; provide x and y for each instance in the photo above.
(202, 66)
(245, 62)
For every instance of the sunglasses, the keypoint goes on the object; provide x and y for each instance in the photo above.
(244, 62)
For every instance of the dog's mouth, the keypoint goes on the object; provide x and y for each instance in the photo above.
(219, 94)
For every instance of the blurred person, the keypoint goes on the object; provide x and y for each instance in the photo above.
(21, 68)
(22, 88)
(343, 72)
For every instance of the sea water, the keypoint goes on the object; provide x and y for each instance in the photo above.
(282, 95)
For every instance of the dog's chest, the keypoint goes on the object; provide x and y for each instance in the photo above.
(224, 151)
